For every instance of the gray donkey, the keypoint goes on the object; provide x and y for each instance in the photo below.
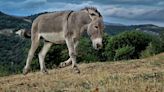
(64, 27)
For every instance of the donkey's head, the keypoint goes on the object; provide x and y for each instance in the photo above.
(95, 26)
(95, 31)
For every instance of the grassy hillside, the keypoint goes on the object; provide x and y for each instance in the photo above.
(142, 75)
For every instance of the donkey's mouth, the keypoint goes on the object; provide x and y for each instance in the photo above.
(97, 46)
(97, 43)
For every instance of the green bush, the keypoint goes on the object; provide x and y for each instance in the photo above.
(124, 53)
(148, 51)
(135, 39)
(154, 47)
(86, 52)
(162, 39)
(13, 52)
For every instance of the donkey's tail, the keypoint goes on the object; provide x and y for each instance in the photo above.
(24, 33)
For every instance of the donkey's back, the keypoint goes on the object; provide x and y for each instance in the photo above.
(50, 22)
(50, 26)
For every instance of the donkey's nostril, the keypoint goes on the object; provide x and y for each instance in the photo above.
(98, 46)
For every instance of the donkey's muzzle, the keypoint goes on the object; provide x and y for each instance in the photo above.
(97, 43)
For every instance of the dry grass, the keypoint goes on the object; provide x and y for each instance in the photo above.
(142, 75)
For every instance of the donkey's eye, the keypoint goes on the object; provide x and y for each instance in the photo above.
(96, 27)
(92, 14)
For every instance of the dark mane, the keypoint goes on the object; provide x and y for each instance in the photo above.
(92, 8)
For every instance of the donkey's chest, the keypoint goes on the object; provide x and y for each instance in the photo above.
(57, 38)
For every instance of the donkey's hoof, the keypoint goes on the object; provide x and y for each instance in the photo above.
(26, 71)
(62, 65)
(44, 71)
(76, 70)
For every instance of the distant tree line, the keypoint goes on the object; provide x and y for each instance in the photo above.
(15, 23)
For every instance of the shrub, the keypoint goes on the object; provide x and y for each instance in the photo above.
(162, 40)
(148, 51)
(154, 47)
(86, 52)
(135, 39)
(124, 53)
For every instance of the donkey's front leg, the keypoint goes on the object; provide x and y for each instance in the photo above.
(69, 61)
(72, 54)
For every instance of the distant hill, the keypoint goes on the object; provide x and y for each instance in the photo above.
(15, 23)
(114, 29)
(32, 17)
(12, 22)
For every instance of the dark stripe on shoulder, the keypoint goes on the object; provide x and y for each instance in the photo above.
(69, 14)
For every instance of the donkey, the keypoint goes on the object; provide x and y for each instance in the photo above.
(64, 27)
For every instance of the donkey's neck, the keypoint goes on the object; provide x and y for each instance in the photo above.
(83, 21)
(83, 18)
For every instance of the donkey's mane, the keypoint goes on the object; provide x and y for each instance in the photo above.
(92, 8)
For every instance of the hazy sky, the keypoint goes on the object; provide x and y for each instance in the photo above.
(114, 11)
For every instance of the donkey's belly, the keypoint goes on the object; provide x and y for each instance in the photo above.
(57, 38)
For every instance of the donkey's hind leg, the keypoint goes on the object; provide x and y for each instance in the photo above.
(42, 55)
(34, 46)
(65, 63)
